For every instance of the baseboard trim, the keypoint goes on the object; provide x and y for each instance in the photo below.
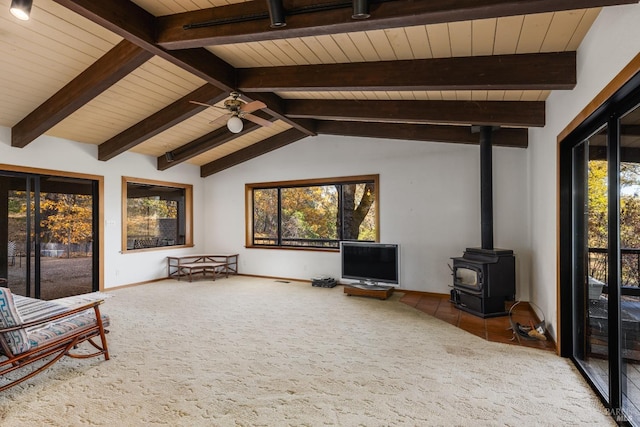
(130, 285)
(423, 293)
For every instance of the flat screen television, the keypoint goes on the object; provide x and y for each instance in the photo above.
(370, 263)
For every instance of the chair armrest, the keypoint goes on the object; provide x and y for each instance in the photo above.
(44, 320)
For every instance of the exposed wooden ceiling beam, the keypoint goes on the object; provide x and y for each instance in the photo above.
(627, 154)
(541, 71)
(495, 113)
(249, 21)
(630, 130)
(277, 141)
(276, 107)
(101, 75)
(504, 137)
(201, 145)
(629, 139)
(135, 24)
(207, 142)
(169, 116)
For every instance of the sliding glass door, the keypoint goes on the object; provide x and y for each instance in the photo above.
(629, 181)
(17, 196)
(590, 255)
(48, 226)
(600, 251)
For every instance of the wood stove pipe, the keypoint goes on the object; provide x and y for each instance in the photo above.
(486, 187)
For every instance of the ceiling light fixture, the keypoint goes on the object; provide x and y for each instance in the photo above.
(360, 9)
(276, 13)
(234, 124)
(21, 9)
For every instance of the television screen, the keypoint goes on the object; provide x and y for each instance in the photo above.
(370, 262)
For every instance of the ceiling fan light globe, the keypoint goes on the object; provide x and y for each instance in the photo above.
(234, 124)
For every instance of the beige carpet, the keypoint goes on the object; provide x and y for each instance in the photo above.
(256, 352)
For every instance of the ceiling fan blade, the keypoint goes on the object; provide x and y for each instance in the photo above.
(223, 118)
(207, 105)
(257, 120)
(201, 103)
(252, 106)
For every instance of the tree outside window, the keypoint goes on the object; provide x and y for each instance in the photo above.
(156, 214)
(313, 213)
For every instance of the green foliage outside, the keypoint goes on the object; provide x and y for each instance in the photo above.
(598, 202)
(15, 205)
(629, 218)
(309, 212)
(144, 215)
(65, 218)
(313, 213)
(265, 214)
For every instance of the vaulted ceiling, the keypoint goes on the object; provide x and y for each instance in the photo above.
(122, 74)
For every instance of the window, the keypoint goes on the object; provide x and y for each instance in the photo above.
(155, 214)
(315, 213)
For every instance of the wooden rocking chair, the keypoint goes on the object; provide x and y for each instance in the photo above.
(33, 330)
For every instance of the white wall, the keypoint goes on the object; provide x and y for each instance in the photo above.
(63, 155)
(429, 204)
(611, 43)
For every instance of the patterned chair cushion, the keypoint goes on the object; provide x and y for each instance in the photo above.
(9, 316)
(60, 328)
(33, 309)
(30, 309)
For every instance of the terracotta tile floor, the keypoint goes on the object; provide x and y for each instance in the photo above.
(491, 329)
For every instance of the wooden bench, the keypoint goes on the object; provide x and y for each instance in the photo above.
(188, 265)
(203, 267)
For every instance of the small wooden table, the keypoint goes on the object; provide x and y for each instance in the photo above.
(188, 265)
(374, 291)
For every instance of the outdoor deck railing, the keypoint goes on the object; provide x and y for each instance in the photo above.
(309, 243)
(629, 268)
(312, 243)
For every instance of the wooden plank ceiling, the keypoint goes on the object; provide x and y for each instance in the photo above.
(121, 74)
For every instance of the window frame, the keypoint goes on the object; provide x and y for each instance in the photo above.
(188, 201)
(358, 179)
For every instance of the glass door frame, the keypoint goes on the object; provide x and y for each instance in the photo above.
(32, 230)
(97, 209)
(570, 282)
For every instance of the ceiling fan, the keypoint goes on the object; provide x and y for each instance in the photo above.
(236, 111)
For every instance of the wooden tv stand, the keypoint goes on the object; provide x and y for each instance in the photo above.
(374, 291)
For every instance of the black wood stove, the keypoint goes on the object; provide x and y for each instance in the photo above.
(484, 278)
